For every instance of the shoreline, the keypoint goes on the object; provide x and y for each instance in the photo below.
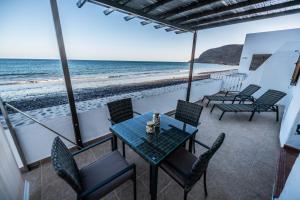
(58, 99)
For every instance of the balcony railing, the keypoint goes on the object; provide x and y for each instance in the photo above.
(231, 80)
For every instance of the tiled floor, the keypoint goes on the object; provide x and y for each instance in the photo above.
(242, 169)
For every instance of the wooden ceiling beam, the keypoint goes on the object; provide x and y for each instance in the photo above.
(218, 10)
(237, 21)
(153, 6)
(139, 13)
(111, 10)
(243, 14)
(184, 8)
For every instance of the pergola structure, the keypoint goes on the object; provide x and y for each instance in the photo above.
(184, 16)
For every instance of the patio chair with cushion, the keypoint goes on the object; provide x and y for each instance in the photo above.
(244, 95)
(120, 110)
(265, 103)
(189, 113)
(186, 169)
(96, 179)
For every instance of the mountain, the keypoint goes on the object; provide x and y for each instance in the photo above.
(227, 55)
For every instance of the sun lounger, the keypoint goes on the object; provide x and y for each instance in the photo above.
(244, 95)
(265, 103)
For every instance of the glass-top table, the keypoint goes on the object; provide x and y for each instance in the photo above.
(156, 146)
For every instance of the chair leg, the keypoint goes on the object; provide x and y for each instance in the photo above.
(115, 143)
(185, 193)
(204, 180)
(213, 107)
(134, 183)
(222, 115)
(250, 119)
(277, 114)
(112, 144)
(194, 146)
(207, 103)
(123, 148)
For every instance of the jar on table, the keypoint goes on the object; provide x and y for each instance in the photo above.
(156, 119)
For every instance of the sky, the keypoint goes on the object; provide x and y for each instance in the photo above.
(27, 31)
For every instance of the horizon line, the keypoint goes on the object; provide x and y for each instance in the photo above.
(77, 59)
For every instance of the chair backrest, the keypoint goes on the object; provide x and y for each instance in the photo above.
(65, 165)
(249, 90)
(270, 97)
(120, 110)
(201, 163)
(188, 112)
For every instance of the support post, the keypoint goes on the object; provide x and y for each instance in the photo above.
(13, 134)
(188, 94)
(65, 67)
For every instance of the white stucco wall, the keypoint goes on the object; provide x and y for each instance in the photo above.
(36, 141)
(276, 72)
(11, 180)
(265, 43)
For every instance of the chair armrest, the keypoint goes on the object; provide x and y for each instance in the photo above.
(91, 146)
(134, 112)
(201, 144)
(106, 181)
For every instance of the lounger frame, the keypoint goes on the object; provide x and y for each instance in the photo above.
(244, 95)
(265, 103)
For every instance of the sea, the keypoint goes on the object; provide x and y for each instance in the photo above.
(29, 78)
(35, 79)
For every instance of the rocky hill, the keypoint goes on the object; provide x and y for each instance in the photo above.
(227, 55)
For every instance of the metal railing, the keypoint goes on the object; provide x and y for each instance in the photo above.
(3, 108)
(231, 80)
(40, 123)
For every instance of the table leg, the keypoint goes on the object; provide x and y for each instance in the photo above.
(153, 181)
(190, 144)
(115, 143)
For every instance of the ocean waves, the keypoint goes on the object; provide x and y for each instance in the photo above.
(29, 78)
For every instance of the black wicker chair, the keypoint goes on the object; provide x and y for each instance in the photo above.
(186, 169)
(98, 178)
(120, 110)
(189, 113)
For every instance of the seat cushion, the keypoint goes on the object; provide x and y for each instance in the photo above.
(179, 165)
(103, 169)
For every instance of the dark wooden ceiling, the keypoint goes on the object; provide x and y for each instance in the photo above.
(190, 15)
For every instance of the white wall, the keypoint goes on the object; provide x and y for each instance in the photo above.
(11, 180)
(292, 115)
(265, 43)
(36, 141)
(276, 72)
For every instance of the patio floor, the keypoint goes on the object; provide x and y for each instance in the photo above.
(242, 169)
